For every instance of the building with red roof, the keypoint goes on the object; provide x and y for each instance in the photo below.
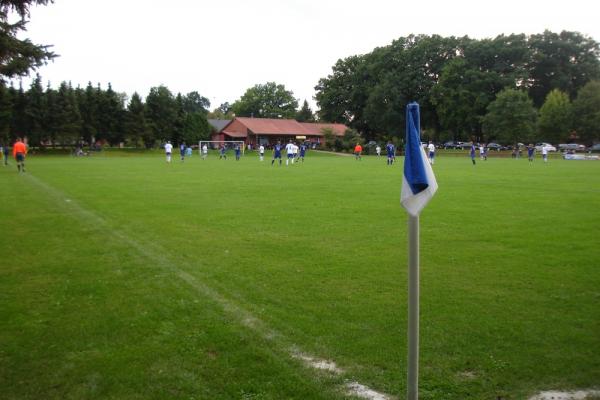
(255, 131)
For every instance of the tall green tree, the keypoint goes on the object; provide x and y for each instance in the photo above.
(586, 113)
(19, 124)
(161, 113)
(68, 118)
(135, 125)
(36, 112)
(178, 126)
(403, 72)
(51, 122)
(269, 100)
(555, 120)
(193, 102)
(305, 114)
(470, 82)
(221, 112)
(342, 95)
(195, 128)
(564, 61)
(5, 114)
(511, 118)
(88, 106)
(19, 56)
(110, 115)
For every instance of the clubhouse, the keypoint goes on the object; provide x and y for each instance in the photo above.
(267, 131)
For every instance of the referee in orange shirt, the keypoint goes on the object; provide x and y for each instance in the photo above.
(19, 152)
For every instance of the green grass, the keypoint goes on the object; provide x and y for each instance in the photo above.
(125, 277)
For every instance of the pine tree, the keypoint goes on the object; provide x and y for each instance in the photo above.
(18, 126)
(305, 114)
(51, 123)
(161, 113)
(88, 106)
(110, 115)
(68, 117)
(135, 125)
(5, 114)
(19, 56)
(36, 111)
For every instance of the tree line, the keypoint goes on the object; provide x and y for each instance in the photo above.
(469, 89)
(68, 115)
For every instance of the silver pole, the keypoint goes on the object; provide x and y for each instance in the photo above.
(413, 307)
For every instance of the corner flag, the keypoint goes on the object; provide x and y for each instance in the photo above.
(418, 183)
(418, 187)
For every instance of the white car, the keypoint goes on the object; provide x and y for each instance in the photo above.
(548, 146)
(571, 146)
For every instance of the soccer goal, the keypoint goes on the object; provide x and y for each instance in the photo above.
(216, 144)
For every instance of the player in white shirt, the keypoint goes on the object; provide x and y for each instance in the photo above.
(168, 151)
(289, 148)
(296, 148)
(378, 150)
(204, 151)
(545, 153)
(261, 152)
(431, 148)
(481, 152)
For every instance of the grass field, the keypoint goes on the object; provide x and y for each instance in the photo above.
(123, 277)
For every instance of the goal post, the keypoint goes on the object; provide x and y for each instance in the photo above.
(216, 144)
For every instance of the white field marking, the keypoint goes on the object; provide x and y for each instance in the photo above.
(156, 254)
(556, 395)
(317, 363)
(364, 392)
(352, 388)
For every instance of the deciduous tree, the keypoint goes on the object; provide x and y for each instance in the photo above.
(555, 120)
(586, 112)
(511, 117)
(269, 100)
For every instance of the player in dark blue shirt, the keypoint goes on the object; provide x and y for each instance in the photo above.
(237, 152)
(472, 153)
(391, 153)
(303, 148)
(182, 151)
(530, 152)
(277, 153)
(222, 153)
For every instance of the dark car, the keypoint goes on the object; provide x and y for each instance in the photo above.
(595, 147)
(463, 145)
(495, 146)
(449, 145)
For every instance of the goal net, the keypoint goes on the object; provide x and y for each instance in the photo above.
(216, 144)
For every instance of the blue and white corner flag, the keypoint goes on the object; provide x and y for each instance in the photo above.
(418, 182)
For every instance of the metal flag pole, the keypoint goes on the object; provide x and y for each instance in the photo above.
(418, 186)
(413, 307)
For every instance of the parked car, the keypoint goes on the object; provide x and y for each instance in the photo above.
(495, 146)
(595, 147)
(463, 145)
(449, 145)
(548, 146)
(571, 146)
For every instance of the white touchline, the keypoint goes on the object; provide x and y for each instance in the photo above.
(556, 395)
(156, 254)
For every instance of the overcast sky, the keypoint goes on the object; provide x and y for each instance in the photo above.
(221, 48)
